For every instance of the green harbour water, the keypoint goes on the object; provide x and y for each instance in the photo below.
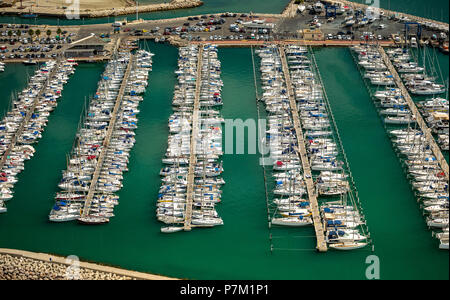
(12, 81)
(240, 249)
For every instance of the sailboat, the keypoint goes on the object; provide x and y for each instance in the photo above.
(29, 62)
(171, 229)
(299, 221)
(3, 209)
(345, 246)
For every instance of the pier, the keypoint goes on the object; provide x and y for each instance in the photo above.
(27, 118)
(110, 10)
(112, 123)
(317, 221)
(416, 114)
(37, 264)
(255, 43)
(194, 133)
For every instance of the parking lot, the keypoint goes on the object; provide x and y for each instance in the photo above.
(206, 27)
(17, 42)
(339, 27)
(29, 42)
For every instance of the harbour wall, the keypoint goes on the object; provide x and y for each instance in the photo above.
(59, 12)
(25, 265)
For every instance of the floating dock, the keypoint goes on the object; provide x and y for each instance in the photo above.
(194, 133)
(27, 118)
(98, 167)
(317, 221)
(416, 114)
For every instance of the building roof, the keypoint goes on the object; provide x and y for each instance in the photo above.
(79, 50)
(316, 31)
(259, 25)
(92, 40)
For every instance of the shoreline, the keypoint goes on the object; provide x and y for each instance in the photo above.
(31, 265)
(99, 13)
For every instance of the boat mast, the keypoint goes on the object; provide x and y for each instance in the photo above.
(137, 10)
(424, 64)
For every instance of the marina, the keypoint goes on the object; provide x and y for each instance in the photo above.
(100, 153)
(337, 221)
(23, 124)
(422, 158)
(349, 134)
(421, 82)
(191, 176)
(146, 157)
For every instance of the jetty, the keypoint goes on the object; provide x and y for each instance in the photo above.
(194, 133)
(416, 114)
(111, 126)
(26, 265)
(255, 43)
(191, 184)
(27, 118)
(417, 149)
(301, 151)
(128, 9)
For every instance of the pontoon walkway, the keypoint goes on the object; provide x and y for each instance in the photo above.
(415, 112)
(98, 167)
(194, 133)
(317, 221)
(27, 118)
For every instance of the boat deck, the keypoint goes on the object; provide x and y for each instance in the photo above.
(312, 195)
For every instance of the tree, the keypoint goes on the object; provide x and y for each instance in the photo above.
(58, 31)
(18, 33)
(38, 33)
(31, 33)
(49, 33)
(10, 33)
